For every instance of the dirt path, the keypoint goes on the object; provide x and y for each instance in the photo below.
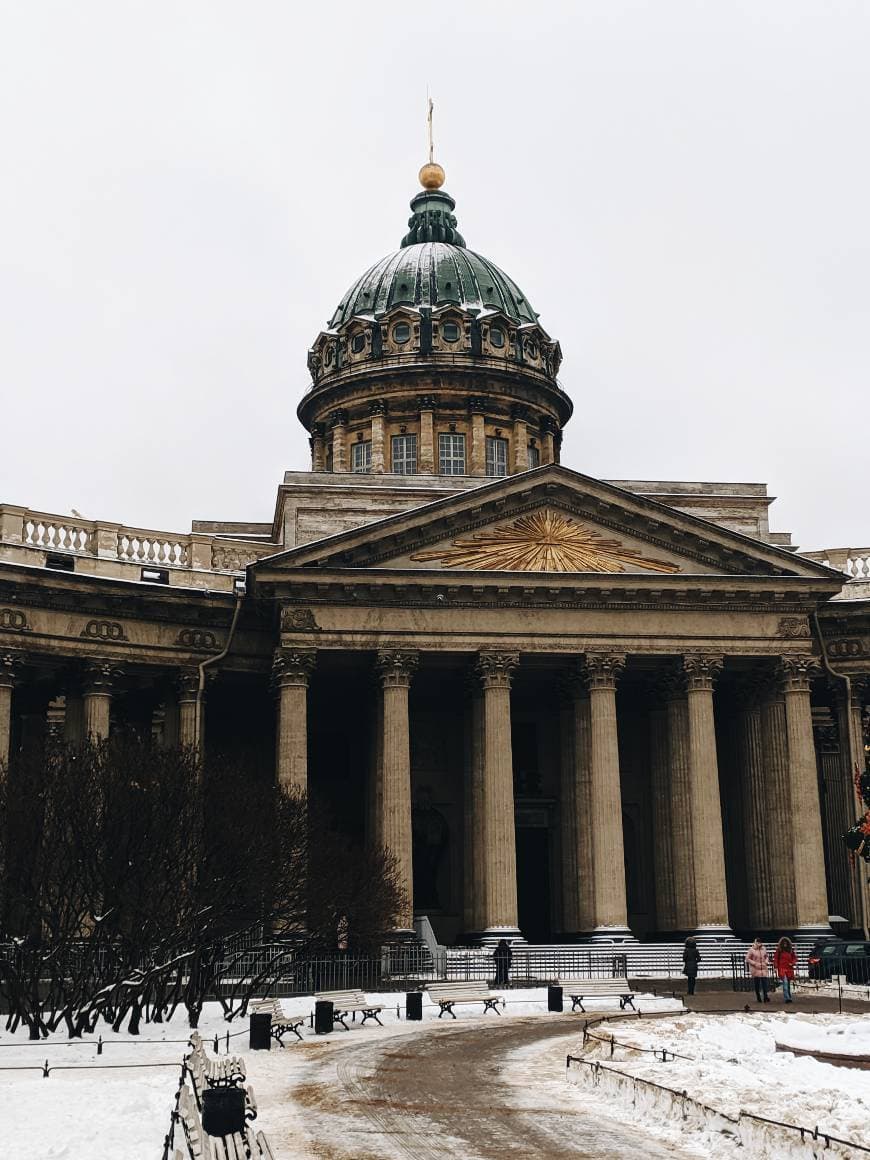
(467, 1093)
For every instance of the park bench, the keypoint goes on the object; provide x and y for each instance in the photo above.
(579, 989)
(446, 995)
(281, 1023)
(348, 1003)
(200, 1146)
(228, 1071)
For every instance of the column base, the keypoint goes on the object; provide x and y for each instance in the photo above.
(612, 934)
(714, 932)
(401, 934)
(494, 934)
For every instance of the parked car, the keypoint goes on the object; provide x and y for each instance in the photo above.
(815, 965)
(840, 957)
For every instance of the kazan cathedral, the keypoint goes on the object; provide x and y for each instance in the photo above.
(572, 708)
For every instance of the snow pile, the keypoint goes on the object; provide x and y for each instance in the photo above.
(848, 1038)
(734, 1067)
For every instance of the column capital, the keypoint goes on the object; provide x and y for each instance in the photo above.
(11, 663)
(701, 671)
(377, 407)
(494, 669)
(100, 678)
(603, 670)
(750, 690)
(187, 684)
(796, 673)
(426, 402)
(571, 685)
(396, 667)
(293, 666)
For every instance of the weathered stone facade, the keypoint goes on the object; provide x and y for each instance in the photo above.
(571, 708)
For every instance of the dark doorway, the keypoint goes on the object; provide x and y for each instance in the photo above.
(533, 883)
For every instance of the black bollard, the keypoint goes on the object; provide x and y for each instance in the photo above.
(323, 1021)
(260, 1037)
(223, 1110)
(414, 1005)
(554, 999)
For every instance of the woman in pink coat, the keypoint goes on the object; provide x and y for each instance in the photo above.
(756, 960)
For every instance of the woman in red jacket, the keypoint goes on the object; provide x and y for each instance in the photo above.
(784, 963)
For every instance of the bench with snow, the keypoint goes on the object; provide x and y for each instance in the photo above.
(446, 995)
(348, 1003)
(281, 1022)
(228, 1071)
(579, 989)
(200, 1146)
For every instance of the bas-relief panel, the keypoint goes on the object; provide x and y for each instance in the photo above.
(549, 540)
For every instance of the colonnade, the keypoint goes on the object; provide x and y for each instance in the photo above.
(782, 827)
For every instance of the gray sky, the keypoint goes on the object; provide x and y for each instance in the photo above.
(681, 188)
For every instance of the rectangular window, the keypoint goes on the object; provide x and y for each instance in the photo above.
(534, 457)
(496, 456)
(405, 454)
(361, 456)
(451, 454)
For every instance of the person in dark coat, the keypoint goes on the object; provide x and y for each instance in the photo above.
(502, 955)
(691, 959)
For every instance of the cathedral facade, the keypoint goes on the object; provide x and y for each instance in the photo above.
(572, 708)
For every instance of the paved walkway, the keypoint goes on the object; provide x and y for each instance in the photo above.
(715, 996)
(454, 1093)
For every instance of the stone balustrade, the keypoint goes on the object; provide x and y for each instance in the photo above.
(104, 548)
(853, 562)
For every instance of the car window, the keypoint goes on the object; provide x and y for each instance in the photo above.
(855, 949)
(828, 951)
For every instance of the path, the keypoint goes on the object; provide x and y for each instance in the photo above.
(454, 1093)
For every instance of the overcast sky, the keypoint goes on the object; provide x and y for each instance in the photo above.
(186, 189)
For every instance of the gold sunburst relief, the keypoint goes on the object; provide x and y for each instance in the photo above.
(543, 541)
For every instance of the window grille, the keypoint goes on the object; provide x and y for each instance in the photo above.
(404, 454)
(451, 454)
(496, 456)
(361, 456)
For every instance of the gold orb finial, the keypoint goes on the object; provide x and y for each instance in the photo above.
(432, 175)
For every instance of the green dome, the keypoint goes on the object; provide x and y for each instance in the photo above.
(433, 269)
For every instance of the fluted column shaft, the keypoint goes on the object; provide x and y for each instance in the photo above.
(578, 885)
(9, 665)
(756, 849)
(477, 861)
(663, 836)
(680, 803)
(708, 843)
(99, 681)
(190, 731)
(291, 672)
(777, 800)
(396, 670)
(611, 912)
(810, 884)
(499, 886)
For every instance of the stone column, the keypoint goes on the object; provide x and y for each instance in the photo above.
(338, 420)
(842, 803)
(547, 449)
(708, 843)
(777, 800)
(810, 884)
(611, 914)
(73, 714)
(10, 663)
(396, 670)
(190, 724)
(426, 450)
(680, 804)
(318, 449)
(575, 808)
(377, 410)
(498, 915)
(478, 436)
(756, 848)
(291, 670)
(475, 827)
(520, 438)
(100, 678)
(663, 837)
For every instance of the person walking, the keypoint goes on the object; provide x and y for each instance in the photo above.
(757, 961)
(784, 963)
(691, 958)
(502, 956)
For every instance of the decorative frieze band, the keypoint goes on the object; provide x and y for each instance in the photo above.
(13, 620)
(105, 630)
(299, 620)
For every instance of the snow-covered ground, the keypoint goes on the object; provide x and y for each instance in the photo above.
(734, 1067)
(91, 1107)
(123, 1112)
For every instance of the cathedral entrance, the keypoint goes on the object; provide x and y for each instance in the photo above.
(533, 875)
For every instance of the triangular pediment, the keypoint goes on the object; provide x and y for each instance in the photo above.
(544, 522)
